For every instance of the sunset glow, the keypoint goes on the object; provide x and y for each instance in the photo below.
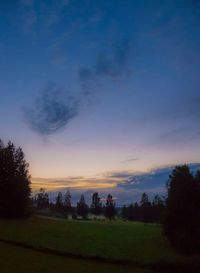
(90, 88)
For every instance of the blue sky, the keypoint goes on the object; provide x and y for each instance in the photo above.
(90, 87)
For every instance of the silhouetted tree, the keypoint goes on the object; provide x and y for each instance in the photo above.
(82, 207)
(130, 213)
(67, 204)
(110, 208)
(146, 212)
(42, 199)
(96, 206)
(124, 212)
(146, 208)
(59, 202)
(14, 181)
(158, 206)
(136, 212)
(182, 219)
(133, 212)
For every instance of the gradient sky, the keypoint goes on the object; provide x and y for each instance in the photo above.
(95, 87)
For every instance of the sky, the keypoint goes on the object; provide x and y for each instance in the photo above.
(94, 91)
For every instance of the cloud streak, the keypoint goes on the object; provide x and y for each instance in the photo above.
(77, 183)
(113, 64)
(126, 187)
(129, 160)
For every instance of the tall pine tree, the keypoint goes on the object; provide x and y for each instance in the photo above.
(96, 206)
(110, 208)
(182, 219)
(14, 181)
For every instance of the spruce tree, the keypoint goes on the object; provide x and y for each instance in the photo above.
(96, 206)
(14, 182)
(182, 218)
(82, 208)
(110, 208)
(67, 204)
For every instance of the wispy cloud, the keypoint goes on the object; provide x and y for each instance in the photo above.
(39, 12)
(114, 63)
(87, 79)
(108, 65)
(52, 110)
(129, 160)
(74, 183)
(184, 119)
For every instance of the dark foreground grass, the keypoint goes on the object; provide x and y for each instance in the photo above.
(18, 260)
(139, 243)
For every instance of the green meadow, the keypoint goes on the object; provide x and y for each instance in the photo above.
(120, 240)
(133, 242)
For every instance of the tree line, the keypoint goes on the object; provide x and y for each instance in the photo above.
(145, 210)
(63, 205)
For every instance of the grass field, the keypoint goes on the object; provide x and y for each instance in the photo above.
(138, 242)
